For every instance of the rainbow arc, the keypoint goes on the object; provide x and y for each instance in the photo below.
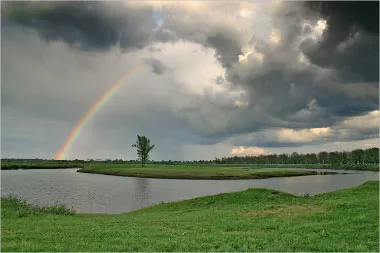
(93, 110)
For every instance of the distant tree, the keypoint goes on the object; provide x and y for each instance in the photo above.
(358, 156)
(371, 155)
(295, 157)
(343, 157)
(334, 158)
(323, 157)
(143, 148)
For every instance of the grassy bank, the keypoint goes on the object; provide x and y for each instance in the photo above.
(252, 220)
(192, 172)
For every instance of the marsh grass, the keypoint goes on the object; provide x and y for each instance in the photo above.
(24, 209)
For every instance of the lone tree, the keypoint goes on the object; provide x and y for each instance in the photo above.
(143, 148)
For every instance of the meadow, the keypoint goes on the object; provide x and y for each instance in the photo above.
(251, 220)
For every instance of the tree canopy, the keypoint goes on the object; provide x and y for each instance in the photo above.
(143, 148)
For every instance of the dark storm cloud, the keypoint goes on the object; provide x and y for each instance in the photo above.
(361, 13)
(87, 25)
(351, 41)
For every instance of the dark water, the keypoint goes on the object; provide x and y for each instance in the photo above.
(91, 193)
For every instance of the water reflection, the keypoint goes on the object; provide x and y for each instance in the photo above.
(142, 192)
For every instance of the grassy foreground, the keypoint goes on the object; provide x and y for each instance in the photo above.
(251, 220)
(191, 172)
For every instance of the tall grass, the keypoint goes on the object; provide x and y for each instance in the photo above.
(25, 209)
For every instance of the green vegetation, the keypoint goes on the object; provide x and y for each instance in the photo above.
(364, 167)
(143, 148)
(24, 209)
(356, 160)
(14, 164)
(192, 172)
(251, 220)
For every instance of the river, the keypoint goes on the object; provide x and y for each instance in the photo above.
(92, 193)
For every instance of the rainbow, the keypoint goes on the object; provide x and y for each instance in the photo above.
(93, 110)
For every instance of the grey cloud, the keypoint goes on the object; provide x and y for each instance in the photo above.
(351, 129)
(157, 66)
(220, 80)
(342, 136)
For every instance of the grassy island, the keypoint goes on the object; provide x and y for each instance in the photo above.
(192, 172)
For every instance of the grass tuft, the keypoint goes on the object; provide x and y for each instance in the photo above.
(24, 209)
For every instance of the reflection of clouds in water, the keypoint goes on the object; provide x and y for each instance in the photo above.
(142, 192)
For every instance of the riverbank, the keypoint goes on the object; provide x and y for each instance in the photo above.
(193, 172)
(251, 220)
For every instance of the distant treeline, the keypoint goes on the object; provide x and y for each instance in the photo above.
(355, 157)
(358, 158)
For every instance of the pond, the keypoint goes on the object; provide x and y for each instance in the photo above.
(92, 193)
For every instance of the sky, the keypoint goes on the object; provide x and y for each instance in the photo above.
(218, 78)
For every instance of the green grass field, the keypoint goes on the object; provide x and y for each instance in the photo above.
(191, 172)
(251, 220)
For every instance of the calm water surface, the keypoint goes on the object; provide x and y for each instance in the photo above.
(91, 193)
